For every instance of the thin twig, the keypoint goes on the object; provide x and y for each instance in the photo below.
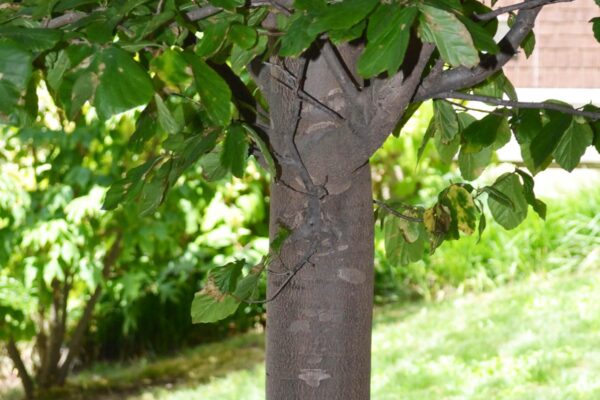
(292, 273)
(396, 213)
(468, 108)
(526, 5)
(159, 7)
(519, 104)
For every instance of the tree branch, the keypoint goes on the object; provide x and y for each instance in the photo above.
(397, 94)
(469, 108)
(462, 77)
(519, 104)
(194, 14)
(76, 340)
(202, 12)
(15, 356)
(396, 213)
(65, 19)
(526, 5)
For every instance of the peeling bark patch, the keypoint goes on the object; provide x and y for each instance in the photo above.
(325, 315)
(313, 377)
(315, 359)
(352, 275)
(299, 325)
(320, 127)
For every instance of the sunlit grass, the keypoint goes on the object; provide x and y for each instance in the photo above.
(538, 339)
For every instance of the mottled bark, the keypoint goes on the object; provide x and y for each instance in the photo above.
(319, 327)
(319, 324)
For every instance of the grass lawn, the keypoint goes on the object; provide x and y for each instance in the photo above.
(537, 339)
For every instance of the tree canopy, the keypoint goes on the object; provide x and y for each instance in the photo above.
(214, 83)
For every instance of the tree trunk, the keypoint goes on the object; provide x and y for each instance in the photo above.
(15, 356)
(319, 327)
(320, 287)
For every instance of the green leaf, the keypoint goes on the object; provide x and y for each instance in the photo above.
(446, 120)
(341, 15)
(596, 27)
(595, 125)
(264, 149)
(15, 65)
(212, 39)
(32, 39)
(153, 193)
(538, 206)
(242, 35)
(547, 139)
(508, 217)
(481, 226)
(483, 133)
(464, 120)
(450, 36)
(15, 73)
(527, 125)
(339, 36)
(283, 232)
(226, 277)
(297, 38)
(247, 285)
(82, 91)
(447, 151)
(172, 69)
(129, 187)
(212, 169)
(240, 58)
(528, 44)
(214, 91)
(123, 84)
(572, 145)
(385, 49)
(100, 25)
(472, 164)
(9, 97)
(228, 4)
(498, 196)
(503, 134)
(235, 150)
(145, 128)
(482, 39)
(429, 133)
(496, 86)
(165, 118)
(397, 249)
(206, 308)
(57, 68)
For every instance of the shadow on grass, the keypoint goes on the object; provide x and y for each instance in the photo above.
(193, 366)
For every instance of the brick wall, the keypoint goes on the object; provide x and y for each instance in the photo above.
(566, 54)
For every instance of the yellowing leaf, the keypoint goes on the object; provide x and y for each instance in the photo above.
(464, 208)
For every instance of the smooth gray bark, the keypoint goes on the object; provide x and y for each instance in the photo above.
(319, 327)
